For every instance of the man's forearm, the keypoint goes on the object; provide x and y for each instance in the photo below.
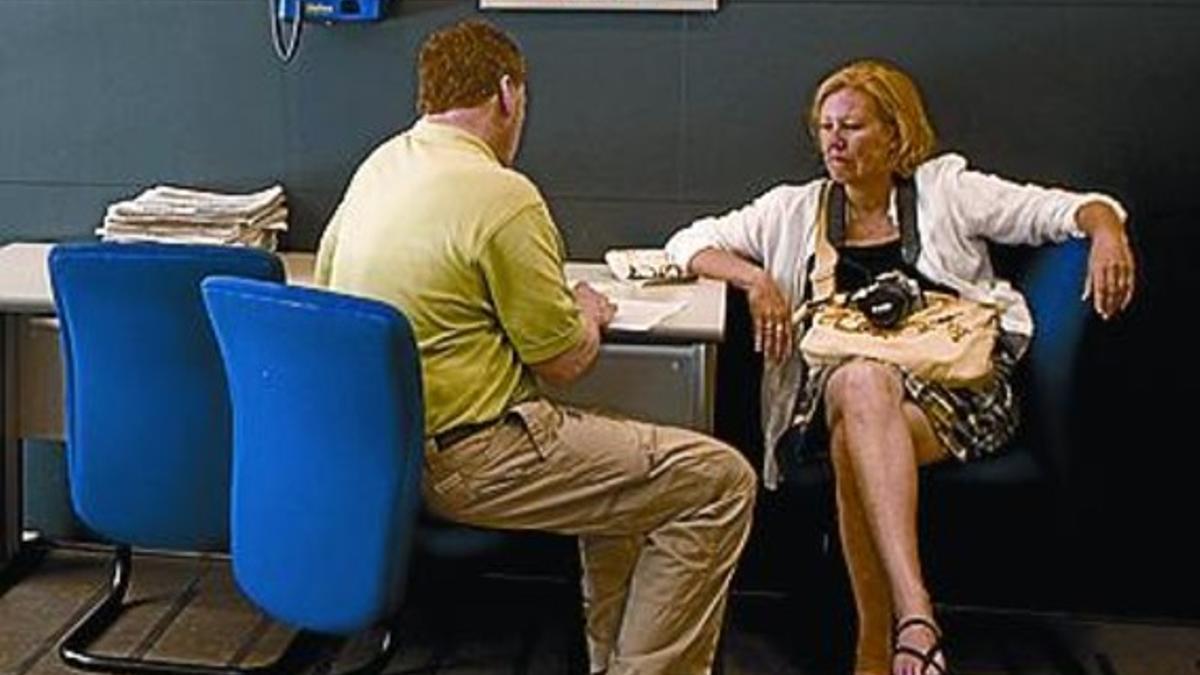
(573, 363)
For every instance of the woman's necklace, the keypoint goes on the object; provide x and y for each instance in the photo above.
(872, 228)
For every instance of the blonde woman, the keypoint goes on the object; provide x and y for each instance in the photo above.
(870, 124)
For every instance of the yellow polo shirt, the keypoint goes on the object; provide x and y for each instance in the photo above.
(433, 224)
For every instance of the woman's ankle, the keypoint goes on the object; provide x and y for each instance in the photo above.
(915, 604)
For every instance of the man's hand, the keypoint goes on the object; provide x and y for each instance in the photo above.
(594, 304)
(597, 311)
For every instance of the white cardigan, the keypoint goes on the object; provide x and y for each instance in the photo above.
(958, 212)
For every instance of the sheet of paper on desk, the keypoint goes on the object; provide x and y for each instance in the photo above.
(642, 315)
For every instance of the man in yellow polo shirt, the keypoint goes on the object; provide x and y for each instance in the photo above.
(437, 223)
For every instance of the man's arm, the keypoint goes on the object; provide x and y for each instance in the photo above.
(554, 330)
(596, 311)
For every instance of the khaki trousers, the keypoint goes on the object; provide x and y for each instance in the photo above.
(661, 514)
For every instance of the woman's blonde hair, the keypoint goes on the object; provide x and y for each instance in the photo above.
(899, 103)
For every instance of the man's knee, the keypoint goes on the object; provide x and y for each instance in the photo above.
(703, 469)
(733, 472)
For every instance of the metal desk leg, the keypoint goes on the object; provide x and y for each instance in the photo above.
(707, 394)
(10, 459)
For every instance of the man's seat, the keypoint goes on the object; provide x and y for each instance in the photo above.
(328, 431)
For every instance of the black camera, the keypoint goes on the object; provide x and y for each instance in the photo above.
(888, 299)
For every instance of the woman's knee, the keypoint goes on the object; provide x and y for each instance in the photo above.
(862, 386)
(839, 455)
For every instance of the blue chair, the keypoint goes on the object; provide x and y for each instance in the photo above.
(988, 528)
(1009, 513)
(328, 436)
(328, 432)
(147, 411)
(974, 510)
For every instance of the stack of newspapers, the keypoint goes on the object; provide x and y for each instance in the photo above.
(187, 216)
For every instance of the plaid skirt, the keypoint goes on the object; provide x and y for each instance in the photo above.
(971, 422)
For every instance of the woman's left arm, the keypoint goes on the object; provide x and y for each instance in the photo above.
(1111, 273)
(1000, 210)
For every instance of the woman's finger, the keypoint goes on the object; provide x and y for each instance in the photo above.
(779, 334)
(772, 351)
(1111, 290)
(1130, 286)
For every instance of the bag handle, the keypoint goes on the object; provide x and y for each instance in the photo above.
(822, 277)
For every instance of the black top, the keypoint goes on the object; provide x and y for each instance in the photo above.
(857, 266)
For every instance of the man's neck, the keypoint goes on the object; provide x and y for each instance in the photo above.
(474, 121)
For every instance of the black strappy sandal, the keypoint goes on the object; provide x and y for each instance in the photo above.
(927, 657)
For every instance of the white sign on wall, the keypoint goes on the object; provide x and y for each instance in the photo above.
(633, 5)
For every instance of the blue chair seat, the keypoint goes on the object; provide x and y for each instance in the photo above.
(1017, 466)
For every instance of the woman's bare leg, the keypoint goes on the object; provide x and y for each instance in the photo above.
(872, 592)
(883, 440)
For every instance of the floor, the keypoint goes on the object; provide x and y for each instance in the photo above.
(189, 608)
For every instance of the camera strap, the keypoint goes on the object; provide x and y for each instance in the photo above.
(831, 233)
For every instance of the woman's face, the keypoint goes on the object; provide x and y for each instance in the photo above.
(856, 144)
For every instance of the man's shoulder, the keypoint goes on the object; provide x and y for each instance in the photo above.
(505, 193)
(517, 185)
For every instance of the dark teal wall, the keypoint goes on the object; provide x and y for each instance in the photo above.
(639, 122)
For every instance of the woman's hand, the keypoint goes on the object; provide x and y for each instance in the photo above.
(772, 315)
(1111, 275)
(769, 307)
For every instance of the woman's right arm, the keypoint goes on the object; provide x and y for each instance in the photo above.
(770, 309)
(745, 232)
(732, 248)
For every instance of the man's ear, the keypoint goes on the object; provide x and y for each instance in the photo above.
(508, 95)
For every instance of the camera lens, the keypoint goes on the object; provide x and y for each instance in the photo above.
(888, 300)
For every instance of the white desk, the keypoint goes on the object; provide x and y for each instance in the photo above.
(665, 375)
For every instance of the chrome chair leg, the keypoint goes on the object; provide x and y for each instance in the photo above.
(305, 649)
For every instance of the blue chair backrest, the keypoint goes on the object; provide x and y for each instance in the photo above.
(328, 440)
(1052, 285)
(147, 411)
